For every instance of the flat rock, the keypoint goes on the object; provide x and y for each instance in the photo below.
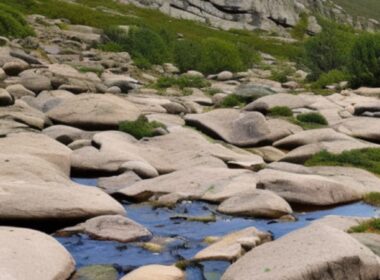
(233, 245)
(207, 183)
(257, 203)
(241, 128)
(307, 189)
(110, 227)
(115, 183)
(66, 134)
(94, 111)
(32, 255)
(18, 91)
(331, 254)
(264, 104)
(361, 127)
(161, 272)
(36, 83)
(370, 240)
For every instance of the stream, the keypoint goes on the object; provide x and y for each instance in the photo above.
(186, 237)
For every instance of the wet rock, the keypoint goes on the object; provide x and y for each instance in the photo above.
(94, 111)
(331, 254)
(113, 184)
(212, 184)
(264, 104)
(306, 189)
(32, 255)
(257, 203)
(161, 272)
(234, 245)
(241, 128)
(110, 227)
(96, 272)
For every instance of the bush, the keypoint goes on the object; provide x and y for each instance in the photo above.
(184, 81)
(280, 111)
(12, 23)
(372, 198)
(364, 61)
(187, 55)
(233, 100)
(300, 29)
(372, 226)
(218, 55)
(313, 118)
(368, 159)
(328, 50)
(330, 78)
(140, 128)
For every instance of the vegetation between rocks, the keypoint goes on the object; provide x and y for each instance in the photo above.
(184, 81)
(280, 111)
(371, 226)
(141, 127)
(13, 23)
(372, 198)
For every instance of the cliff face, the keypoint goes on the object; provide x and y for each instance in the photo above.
(270, 15)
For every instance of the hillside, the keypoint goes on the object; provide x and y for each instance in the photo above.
(362, 8)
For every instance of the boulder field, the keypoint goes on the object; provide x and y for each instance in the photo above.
(60, 124)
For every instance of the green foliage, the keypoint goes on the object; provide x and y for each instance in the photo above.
(280, 111)
(363, 8)
(328, 50)
(183, 81)
(12, 23)
(371, 226)
(140, 128)
(233, 100)
(368, 159)
(218, 55)
(332, 77)
(365, 60)
(372, 198)
(313, 118)
(300, 30)
(187, 54)
(86, 69)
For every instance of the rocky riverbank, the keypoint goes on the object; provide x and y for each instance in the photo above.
(61, 105)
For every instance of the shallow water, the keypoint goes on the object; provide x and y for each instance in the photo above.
(187, 235)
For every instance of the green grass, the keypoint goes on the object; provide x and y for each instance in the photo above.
(141, 127)
(184, 81)
(233, 100)
(364, 8)
(13, 23)
(280, 111)
(312, 118)
(368, 159)
(371, 226)
(372, 198)
(86, 69)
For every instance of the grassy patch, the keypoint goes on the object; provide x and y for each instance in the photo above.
(312, 118)
(280, 111)
(372, 198)
(184, 81)
(330, 78)
(13, 23)
(371, 226)
(368, 159)
(86, 69)
(300, 30)
(141, 127)
(233, 100)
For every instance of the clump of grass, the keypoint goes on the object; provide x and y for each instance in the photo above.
(372, 198)
(184, 81)
(233, 100)
(141, 127)
(13, 23)
(280, 111)
(212, 91)
(300, 29)
(312, 118)
(330, 78)
(371, 226)
(86, 69)
(368, 159)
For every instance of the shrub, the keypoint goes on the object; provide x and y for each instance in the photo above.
(233, 100)
(364, 61)
(184, 81)
(372, 198)
(218, 55)
(328, 50)
(187, 54)
(330, 78)
(372, 226)
(12, 23)
(140, 128)
(280, 111)
(300, 29)
(368, 159)
(313, 118)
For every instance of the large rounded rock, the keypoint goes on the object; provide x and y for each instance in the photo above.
(257, 203)
(315, 252)
(36, 83)
(32, 255)
(361, 127)
(110, 227)
(6, 99)
(18, 91)
(150, 272)
(307, 189)
(94, 111)
(241, 128)
(264, 104)
(234, 245)
(66, 134)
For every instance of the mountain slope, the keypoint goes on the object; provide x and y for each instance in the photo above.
(362, 8)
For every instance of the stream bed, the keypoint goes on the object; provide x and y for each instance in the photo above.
(186, 236)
